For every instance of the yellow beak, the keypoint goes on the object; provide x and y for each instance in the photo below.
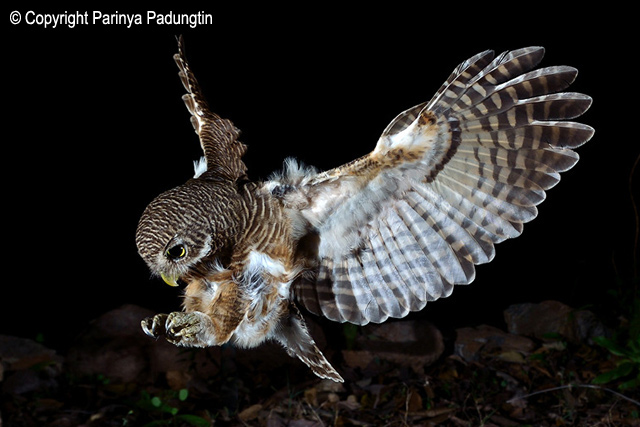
(169, 280)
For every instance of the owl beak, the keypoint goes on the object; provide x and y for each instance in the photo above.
(169, 280)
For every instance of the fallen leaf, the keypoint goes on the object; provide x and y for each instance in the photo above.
(250, 413)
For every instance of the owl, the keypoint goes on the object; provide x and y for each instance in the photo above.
(370, 240)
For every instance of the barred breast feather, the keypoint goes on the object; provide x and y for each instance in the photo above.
(447, 180)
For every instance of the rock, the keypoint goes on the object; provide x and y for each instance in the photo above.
(112, 346)
(587, 326)
(115, 347)
(409, 343)
(24, 381)
(553, 318)
(487, 341)
(27, 366)
(22, 353)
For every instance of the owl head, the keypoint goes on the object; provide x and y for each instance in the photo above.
(184, 230)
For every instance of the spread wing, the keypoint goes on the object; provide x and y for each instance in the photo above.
(218, 137)
(447, 180)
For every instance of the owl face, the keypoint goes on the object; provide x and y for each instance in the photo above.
(174, 235)
(185, 231)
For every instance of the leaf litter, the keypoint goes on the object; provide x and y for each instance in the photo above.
(484, 376)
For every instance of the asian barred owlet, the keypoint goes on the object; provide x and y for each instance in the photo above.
(375, 238)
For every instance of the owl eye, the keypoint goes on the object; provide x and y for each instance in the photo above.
(176, 252)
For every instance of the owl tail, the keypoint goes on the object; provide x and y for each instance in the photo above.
(294, 336)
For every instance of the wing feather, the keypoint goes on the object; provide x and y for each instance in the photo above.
(365, 302)
(538, 134)
(381, 292)
(448, 180)
(496, 227)
(347, 292)
(445, 235)
(218, 137)
(405, 255)
(434, 284)
(385, 285)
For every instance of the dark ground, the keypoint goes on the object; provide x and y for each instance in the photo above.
(404, 373)
(97, 129)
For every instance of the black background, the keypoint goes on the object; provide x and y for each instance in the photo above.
(96, 129)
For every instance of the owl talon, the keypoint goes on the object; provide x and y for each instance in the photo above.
(179, 328)
(184, 329)
(154, 326)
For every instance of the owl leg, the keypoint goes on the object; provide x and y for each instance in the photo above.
(294, 336)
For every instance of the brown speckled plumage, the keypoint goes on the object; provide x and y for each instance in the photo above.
(375, 238)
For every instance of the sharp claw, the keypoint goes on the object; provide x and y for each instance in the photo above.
(154, 326)
(178, 328)
(144, 323)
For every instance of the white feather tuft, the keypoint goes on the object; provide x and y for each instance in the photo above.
(294, 173)
(200, 167)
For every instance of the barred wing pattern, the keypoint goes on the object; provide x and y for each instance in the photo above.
(218, 137)
(447, 180)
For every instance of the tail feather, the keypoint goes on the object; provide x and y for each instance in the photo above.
(293, 335)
